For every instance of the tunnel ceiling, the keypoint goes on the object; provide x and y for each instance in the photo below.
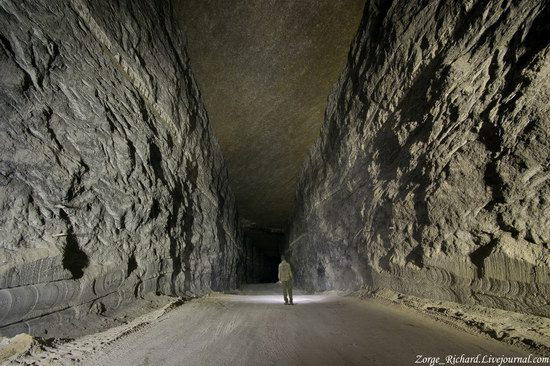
(265, 69)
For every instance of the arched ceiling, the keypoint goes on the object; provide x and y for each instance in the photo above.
(265, 69)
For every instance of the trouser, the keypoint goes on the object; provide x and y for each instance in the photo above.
(287, 290)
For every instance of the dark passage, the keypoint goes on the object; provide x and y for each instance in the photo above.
(262, 254)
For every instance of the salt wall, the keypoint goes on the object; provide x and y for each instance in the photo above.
(111, 182)
(431, 175)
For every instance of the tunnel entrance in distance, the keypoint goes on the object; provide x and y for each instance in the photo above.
(262, 254)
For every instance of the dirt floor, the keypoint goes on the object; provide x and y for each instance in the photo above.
(529, 332)
(254, 327)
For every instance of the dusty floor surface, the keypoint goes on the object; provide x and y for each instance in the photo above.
(253, 327)
(529, 332)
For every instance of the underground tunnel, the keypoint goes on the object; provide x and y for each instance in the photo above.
(158, 158)
(262, 254)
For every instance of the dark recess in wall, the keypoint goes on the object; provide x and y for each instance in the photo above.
(74, 258)
(262, 255)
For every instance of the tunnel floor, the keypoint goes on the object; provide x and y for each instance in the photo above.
(256, 328)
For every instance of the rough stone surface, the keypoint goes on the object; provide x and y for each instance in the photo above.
(266, 68)
(111, 183)
(431, 173)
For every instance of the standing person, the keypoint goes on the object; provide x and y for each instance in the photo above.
(285, 277)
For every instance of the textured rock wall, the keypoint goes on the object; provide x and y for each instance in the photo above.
(111, 183)
(431, 175)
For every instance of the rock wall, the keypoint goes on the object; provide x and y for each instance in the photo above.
(111, 182)
(431, 175)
